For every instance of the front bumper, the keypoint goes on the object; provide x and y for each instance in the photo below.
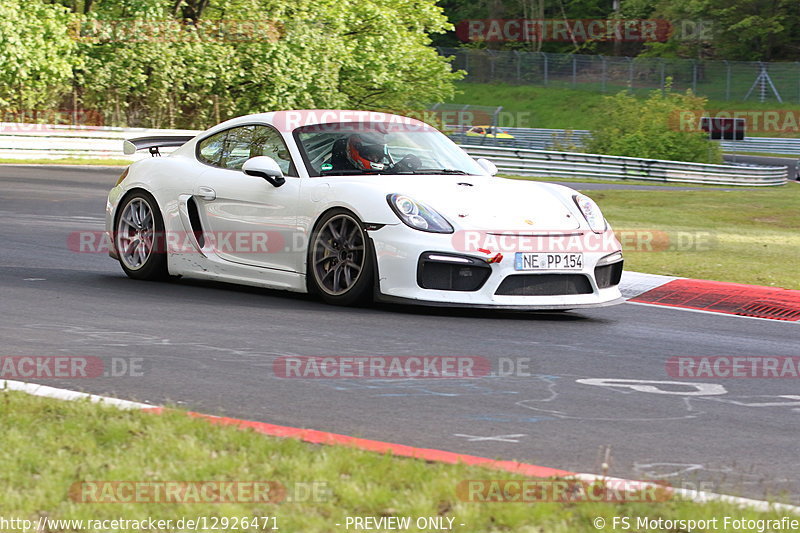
(398, 249)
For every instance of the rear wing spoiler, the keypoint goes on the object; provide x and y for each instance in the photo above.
(131, 146)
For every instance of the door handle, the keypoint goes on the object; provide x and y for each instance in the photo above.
(206, 193)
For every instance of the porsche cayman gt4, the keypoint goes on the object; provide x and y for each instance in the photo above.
(357, 205)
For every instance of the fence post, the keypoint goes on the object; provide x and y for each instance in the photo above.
(694, 76)
(661, 68)
(519, 64)
(797, 64)
(545, 67)
(630, 75)
(727, 79)
(574, 70)
(603, 76)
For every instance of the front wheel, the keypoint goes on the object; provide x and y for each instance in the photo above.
(139, 238)
(340, 262)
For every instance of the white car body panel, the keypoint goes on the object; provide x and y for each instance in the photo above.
(250, 204)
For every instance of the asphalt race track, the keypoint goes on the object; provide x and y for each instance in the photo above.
(210, 348)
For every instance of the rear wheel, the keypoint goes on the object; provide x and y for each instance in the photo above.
(340, 263)
(139, 238)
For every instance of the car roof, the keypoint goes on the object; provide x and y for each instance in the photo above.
(287, 121)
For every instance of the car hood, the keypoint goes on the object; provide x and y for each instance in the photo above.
(492, 204)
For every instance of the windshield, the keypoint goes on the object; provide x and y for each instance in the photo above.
(346, 149)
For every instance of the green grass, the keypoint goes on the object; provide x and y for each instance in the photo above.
(745, 236)
(631, 181)
(535, 107)
(68, 161)
(561, 108)
(48, 445)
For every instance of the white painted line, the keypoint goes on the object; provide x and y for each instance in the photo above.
(64, 394)
(697, 496)
(717, 313)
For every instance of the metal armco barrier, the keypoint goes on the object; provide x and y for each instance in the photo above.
(770, 145)
(48, 141)
(525, 162)
(37, 141)
(549, 139)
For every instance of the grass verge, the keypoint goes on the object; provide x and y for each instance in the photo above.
(550, 107)
(632, 181)
(743, 236)
(48, 445)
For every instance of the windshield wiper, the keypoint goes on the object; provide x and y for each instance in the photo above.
(439, 171)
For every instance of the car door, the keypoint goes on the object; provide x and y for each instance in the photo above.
(250, 221)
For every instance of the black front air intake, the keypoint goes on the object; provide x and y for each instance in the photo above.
(608, 275)
(447, 272)
(544, 285)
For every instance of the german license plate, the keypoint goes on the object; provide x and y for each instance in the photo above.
(547, 261)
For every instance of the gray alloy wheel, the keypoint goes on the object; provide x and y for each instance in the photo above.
(340, 263)
(139, 237)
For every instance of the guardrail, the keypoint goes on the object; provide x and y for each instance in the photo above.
(524, 162)
(55, 141)
(549, 139)
(37, 141)
(772, 145)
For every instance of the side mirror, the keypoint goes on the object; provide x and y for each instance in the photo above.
(487, 165)
(265, 167)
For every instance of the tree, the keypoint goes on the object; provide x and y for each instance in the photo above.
(653, 128)
(731, 29)
(287, 54)
(36, 55)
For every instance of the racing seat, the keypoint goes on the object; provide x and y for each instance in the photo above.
(339, 158)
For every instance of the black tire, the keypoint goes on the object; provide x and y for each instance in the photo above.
(350, 253)
(129, 230)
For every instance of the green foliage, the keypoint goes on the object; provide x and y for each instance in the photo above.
(720, 29)
(651, 128)
(36, 54)
(732, 29)
(141, 64)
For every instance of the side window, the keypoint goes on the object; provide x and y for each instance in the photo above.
(231, 148)
(267, 141)
(210, 149)
(236, 148)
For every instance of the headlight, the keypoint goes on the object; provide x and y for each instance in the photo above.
(591, 212)
(418, 215)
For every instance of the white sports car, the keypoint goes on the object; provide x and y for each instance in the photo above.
(353, 205)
